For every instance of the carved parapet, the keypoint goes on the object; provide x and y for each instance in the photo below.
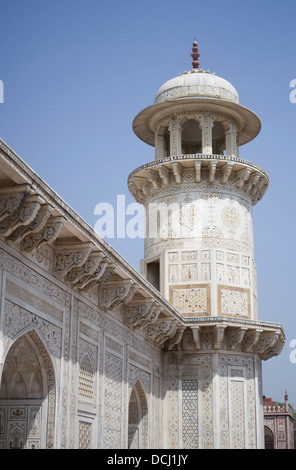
(114, 294)
(48, 234)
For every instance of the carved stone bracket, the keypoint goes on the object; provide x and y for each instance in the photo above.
(250, 339)
(177, 171)
(114, 294)
(161, 330)
(226, 172)
(84, 272)
(164, 174)
(35, 225)
(25, 213)
(176, 339)
(212, 170)
(241, 177)
(235, 337)
(153, 177)
(196, 333)
(139, 315)
(266, 345)
(218, 336)
(70, 256)
(11, 199)
(47, 234)
(101, 275)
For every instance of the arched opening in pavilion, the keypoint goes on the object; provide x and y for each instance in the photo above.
(27, 396)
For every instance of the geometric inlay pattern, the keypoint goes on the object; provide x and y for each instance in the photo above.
(86, 378)
(234, 302)
(85, 429)
(190, 414)
(190, 300)
(113, 401)
(237, 414)
(230, 217)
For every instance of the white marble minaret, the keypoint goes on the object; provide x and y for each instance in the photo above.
(199, 194)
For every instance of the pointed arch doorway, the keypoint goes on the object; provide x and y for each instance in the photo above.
(27, 396)
(138, 418)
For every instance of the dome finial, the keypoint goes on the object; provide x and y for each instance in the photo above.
(195, 55)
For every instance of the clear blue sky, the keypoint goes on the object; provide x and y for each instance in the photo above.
(77, 72)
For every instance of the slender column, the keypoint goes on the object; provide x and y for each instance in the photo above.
(216, 401)
(179, 137)
(207, 124)
(175, 137)
(231, 139)
(159, 143)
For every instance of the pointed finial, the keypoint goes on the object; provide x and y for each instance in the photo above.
(195, 55)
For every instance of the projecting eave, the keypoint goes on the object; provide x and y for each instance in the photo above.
(145, 122)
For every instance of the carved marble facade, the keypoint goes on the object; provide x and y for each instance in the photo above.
(94, 356)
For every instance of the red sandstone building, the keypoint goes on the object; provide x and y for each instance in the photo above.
(278, 424)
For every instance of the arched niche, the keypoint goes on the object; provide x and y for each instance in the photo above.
(138, 418)
(27, 395)
(218, 138)
(191, 136)
(268, 438)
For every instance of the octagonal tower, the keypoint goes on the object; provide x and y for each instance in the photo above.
(200, 256)
(198, 194)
